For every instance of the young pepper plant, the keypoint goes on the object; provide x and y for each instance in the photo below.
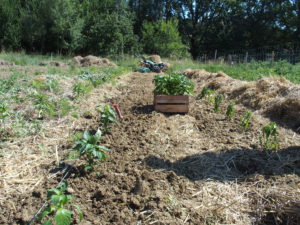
(230, 110)
(108, 116)
(269, 138)
(89, 148)
(208, 94)
(218, 99)
(58, 202)
(245, 120)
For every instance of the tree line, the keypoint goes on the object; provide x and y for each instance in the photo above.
(175, 28)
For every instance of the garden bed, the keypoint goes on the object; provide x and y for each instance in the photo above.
(198, 168)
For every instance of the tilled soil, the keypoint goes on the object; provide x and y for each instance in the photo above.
(198, 168)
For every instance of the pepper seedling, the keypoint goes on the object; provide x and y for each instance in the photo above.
(58, 202)
(269, 138)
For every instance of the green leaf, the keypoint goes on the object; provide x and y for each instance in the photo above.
(48, 222)
(53, 191)
(56, 199)
(73, 155)
(46, 212)
(79, 212)
(98, 135)
(64, 186)
(103, 148)
(63, 217)
(86, 135)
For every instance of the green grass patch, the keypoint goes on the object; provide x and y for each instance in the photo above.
(249, 72)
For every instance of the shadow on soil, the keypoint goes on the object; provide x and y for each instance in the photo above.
(144, 109)
(244, 165)
(232, 164)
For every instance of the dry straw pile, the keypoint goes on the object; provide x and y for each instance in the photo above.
(275, 97)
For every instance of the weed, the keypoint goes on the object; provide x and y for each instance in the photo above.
(58, 203)
(51, 85)
(230, 110)
(43, 105)
(89, 148)
(269, 139)
(218, 99)
(108, 116)
(246, 119)
(7, 83)
(81, 89)
(63, 106)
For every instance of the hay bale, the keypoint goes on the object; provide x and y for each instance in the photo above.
(105, 60)
(167, 66)
(91, 60)
(155, 58)
(77, 60)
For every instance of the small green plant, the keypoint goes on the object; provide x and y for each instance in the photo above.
(218, 99)
(81, 89)
(63, 106)
(269, 139)
(173, 85)
(95, 79)
(246, 119)
(108, 116)
(89, 148)
(58, 202)
(207, 93)
(230, 110)
(3, 112)
(51, 85)
(43, 104)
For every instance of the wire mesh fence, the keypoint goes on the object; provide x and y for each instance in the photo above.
(271, 53)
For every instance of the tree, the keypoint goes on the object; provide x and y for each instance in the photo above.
(163, 38)
(108, 28)
(51, 26)
(10, 31)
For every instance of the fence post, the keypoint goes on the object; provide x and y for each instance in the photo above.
(273, 56)
(216, 52)
(246, 58)
(230, 59)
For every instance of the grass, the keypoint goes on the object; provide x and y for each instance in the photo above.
(23, 59)
(249, 72)
(36, 94)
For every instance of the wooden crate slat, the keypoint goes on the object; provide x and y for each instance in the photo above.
(171, 103)
(172, 108)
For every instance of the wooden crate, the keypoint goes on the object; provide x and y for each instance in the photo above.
(171, 103)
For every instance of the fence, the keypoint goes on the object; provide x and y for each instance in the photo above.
(270, 54)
